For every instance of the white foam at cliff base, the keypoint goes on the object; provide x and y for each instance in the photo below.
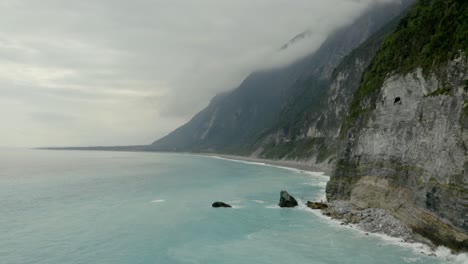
(301, 205)
(418, 248)
(322, 184)
(445, 253)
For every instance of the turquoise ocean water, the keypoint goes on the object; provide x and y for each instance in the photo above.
(109, 207)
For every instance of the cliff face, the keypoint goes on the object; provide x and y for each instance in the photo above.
(237, 121)
(410, 156)
(404, 143)
(310, 130)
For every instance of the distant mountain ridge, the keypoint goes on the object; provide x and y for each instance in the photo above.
(235, 121)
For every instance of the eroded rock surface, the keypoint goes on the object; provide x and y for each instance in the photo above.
(369, 219)
(316, 205)
(409, 156)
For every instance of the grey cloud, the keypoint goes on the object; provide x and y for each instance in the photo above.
(128, 72)
(52, 117)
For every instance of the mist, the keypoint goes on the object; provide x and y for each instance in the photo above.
(121, 73)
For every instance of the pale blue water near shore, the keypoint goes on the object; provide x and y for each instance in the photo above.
(107, 207)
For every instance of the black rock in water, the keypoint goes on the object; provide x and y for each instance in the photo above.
(220, 204)
(287, 200)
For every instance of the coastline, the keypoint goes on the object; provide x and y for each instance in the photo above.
(324, 167)
(371, 221)
(298, 165)
(342, 215)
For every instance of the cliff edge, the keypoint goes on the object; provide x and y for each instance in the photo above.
(404, 143)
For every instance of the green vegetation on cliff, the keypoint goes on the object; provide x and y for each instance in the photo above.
(433, 32)
(445, 90)
(393, 155)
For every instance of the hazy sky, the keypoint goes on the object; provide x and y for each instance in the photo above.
(115, 72)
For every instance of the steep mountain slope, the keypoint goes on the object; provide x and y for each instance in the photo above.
(309, 125)
(234, 121)
(405, 140)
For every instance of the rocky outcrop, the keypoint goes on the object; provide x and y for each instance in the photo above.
(316, 205)
(410, 157)
(405, 141)
(370, 220)
(286, 200)
(220, 205)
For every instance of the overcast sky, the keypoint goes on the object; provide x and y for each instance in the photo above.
(115, 72)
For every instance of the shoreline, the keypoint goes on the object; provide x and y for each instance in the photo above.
(341, 218)
(371, 221)
(298, 165)
(294, 164)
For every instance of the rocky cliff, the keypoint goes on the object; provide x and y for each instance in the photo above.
(242, 121)
(404, 143)
(309, 129)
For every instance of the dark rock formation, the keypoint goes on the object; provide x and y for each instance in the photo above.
(370, 220)
(316, 205)
(220, 204)
(287, 200)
